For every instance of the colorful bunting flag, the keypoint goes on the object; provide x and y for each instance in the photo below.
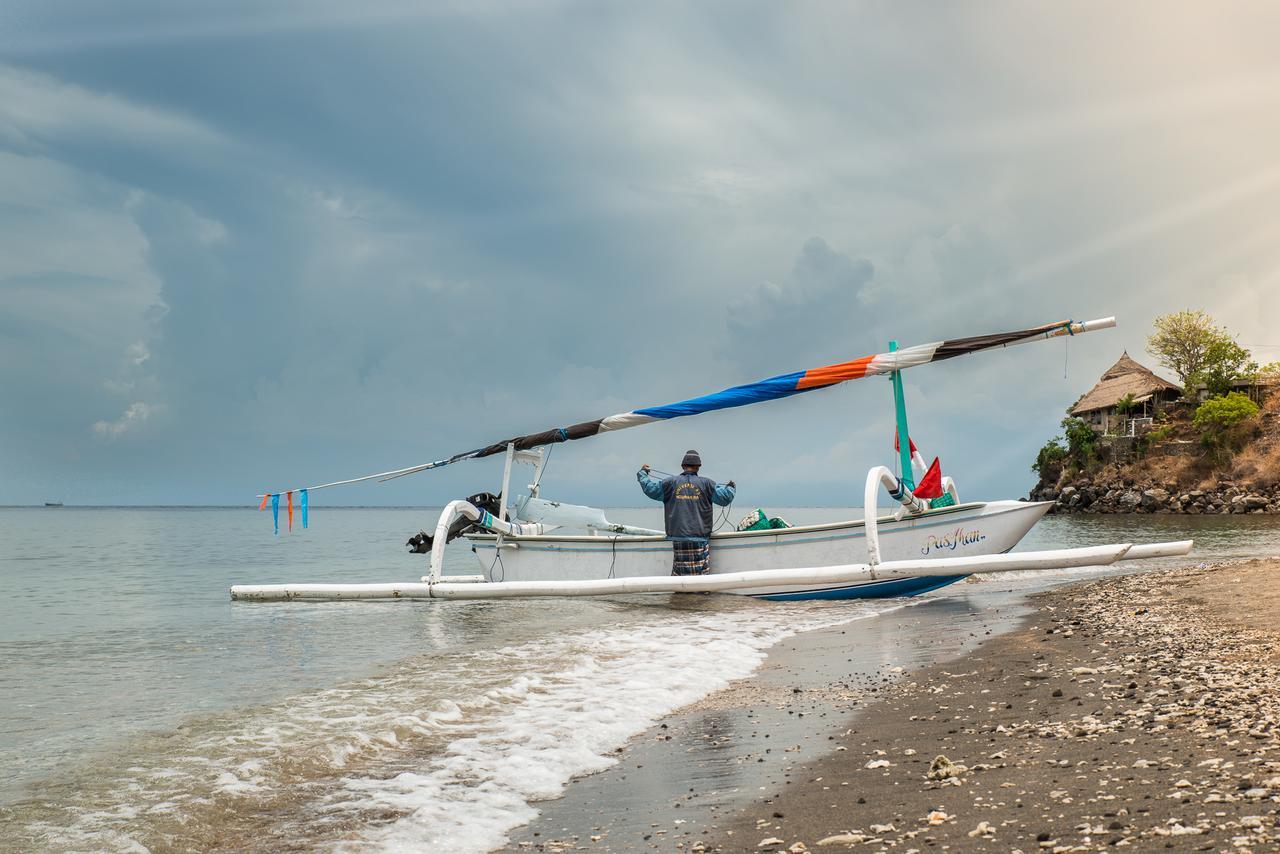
(302, 503)
(288, 501)
(275, 511)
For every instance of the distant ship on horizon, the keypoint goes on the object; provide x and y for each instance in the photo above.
(53, 504)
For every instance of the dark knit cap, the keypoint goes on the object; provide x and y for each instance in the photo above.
(691, 458)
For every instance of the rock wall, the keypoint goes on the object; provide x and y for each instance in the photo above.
(1085, 495)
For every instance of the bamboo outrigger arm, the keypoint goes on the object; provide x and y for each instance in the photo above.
(898, 491)
(852, 573)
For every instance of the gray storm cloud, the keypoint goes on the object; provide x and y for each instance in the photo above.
(257, 247)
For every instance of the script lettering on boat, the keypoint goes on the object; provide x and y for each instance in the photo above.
(951, 542)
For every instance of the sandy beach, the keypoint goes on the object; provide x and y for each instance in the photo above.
(1136, 711)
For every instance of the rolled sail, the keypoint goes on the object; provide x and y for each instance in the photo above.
(774, 388)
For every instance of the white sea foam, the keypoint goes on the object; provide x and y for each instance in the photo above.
(454, 750)
(1040, 578)
(552, 728)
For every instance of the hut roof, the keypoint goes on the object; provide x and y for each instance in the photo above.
(1123, 378)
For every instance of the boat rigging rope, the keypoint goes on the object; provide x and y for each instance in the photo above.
(537, 481)
(497, 561)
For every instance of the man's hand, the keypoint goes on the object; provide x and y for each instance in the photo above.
(731, 485)
(645, 468)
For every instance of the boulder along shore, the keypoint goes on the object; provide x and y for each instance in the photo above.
(1086, 496)
(1140, 711)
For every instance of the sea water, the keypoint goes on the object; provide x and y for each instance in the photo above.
(141, 709)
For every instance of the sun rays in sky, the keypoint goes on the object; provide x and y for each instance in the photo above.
(348, 240)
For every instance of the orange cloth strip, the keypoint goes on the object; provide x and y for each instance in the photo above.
(265, 499)
(831, 374)
(288, 504)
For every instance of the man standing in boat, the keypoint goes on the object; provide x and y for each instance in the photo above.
(686, 502)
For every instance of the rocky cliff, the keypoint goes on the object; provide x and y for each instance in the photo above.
(1171, 471)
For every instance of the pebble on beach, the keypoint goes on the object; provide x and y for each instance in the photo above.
(1137, 712)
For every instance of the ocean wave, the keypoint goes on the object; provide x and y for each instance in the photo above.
(453, 749)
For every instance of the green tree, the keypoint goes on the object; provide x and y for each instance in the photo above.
(1225, 361)
(1080, 449)
(1082, 442)
(1049, 461)
(1125, 404)
(1181, 342)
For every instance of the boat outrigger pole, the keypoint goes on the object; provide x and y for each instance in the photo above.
(478, 588)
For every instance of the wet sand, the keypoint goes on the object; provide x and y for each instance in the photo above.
(679, 783)
(1128, 712)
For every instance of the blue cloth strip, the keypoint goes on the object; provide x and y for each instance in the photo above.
(302, 503)
(740, 395)
(275, 511)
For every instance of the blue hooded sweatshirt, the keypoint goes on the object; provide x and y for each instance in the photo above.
(686, 502)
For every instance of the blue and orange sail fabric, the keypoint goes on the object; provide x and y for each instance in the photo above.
(773, 388)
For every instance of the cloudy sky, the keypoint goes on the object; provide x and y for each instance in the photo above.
(264, 245)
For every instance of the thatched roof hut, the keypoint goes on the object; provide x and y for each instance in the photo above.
(1125, 377)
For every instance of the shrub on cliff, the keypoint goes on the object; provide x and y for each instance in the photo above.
(1221, 413)
(1049, 461)
(1080, 450)
(1220, 420)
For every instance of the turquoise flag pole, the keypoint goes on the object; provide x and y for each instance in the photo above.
(904, 436)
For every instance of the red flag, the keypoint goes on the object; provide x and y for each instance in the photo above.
(288, 503)
(931, 484)
(265, 498)
(911, 443)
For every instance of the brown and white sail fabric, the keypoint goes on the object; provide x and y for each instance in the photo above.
(773, 388)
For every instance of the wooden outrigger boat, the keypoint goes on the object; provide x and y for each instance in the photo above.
(529, 546)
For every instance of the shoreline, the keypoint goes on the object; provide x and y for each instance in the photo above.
(679, 782)
(1072, 726)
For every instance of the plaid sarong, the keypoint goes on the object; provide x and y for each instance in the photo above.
(690, 558)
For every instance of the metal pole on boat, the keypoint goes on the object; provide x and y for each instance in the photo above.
(506, 484)
(900, 413)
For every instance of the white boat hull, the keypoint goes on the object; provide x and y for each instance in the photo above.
(964, 530)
